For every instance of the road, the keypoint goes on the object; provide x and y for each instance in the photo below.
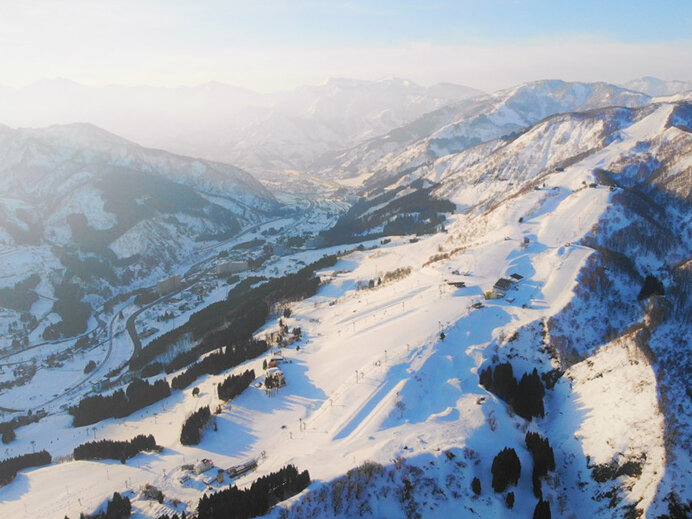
(193, 275)
(99, 327)
(193, 270)
(79, 385)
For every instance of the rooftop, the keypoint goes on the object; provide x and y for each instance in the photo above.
(503, 284)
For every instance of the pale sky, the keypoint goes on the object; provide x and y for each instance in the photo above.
(276, 45)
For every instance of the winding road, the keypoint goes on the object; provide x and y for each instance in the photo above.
(193, 275)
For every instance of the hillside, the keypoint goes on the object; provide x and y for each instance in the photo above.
(457, 127)
(90, 213)
(658, 87)
(412, 368)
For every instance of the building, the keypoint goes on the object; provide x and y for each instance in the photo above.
(500, 288)
(515, 278)
(168, 285)
(275, 360)
(243, 468)
(230, 267)
(203, 466)
(275, 378)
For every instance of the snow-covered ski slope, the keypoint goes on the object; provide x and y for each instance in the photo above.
(374, 380)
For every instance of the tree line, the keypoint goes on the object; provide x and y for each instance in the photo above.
(417, 212)
(116, 450)
(21, 296)
(264, 493)
(191, 433)
(217, 362)
(239, 331)
(10, 466)
(138, 395)
(7, 428)
(234, 319)
(233, 385)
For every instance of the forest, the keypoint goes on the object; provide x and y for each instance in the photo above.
(10, 466)
(256, 500)
(116, 450)
(138, 395)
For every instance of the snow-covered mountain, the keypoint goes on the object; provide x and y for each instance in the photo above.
(656, 87)
(456, 127)
(39, 164)
(76, 195)
(263, 133)
(476, 177)
(547, 320)
(586, 205)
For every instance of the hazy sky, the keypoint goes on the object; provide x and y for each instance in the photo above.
(273, 45)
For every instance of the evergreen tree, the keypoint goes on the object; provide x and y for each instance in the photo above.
(506, 469)
(233, 385)
(10, 466)
(256, 500)
(138, 395)
(528, 401)
(652, 286)
(525, 397)
(542, 510)
(118, 507)
(116, 450)
(191, 433)
(476, 486)
(543, 459)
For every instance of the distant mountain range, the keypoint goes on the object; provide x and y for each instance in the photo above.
(467, 123)
(311, 128)
(659, 87)
(264, 133)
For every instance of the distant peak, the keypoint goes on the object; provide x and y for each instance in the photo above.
(397, 81)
